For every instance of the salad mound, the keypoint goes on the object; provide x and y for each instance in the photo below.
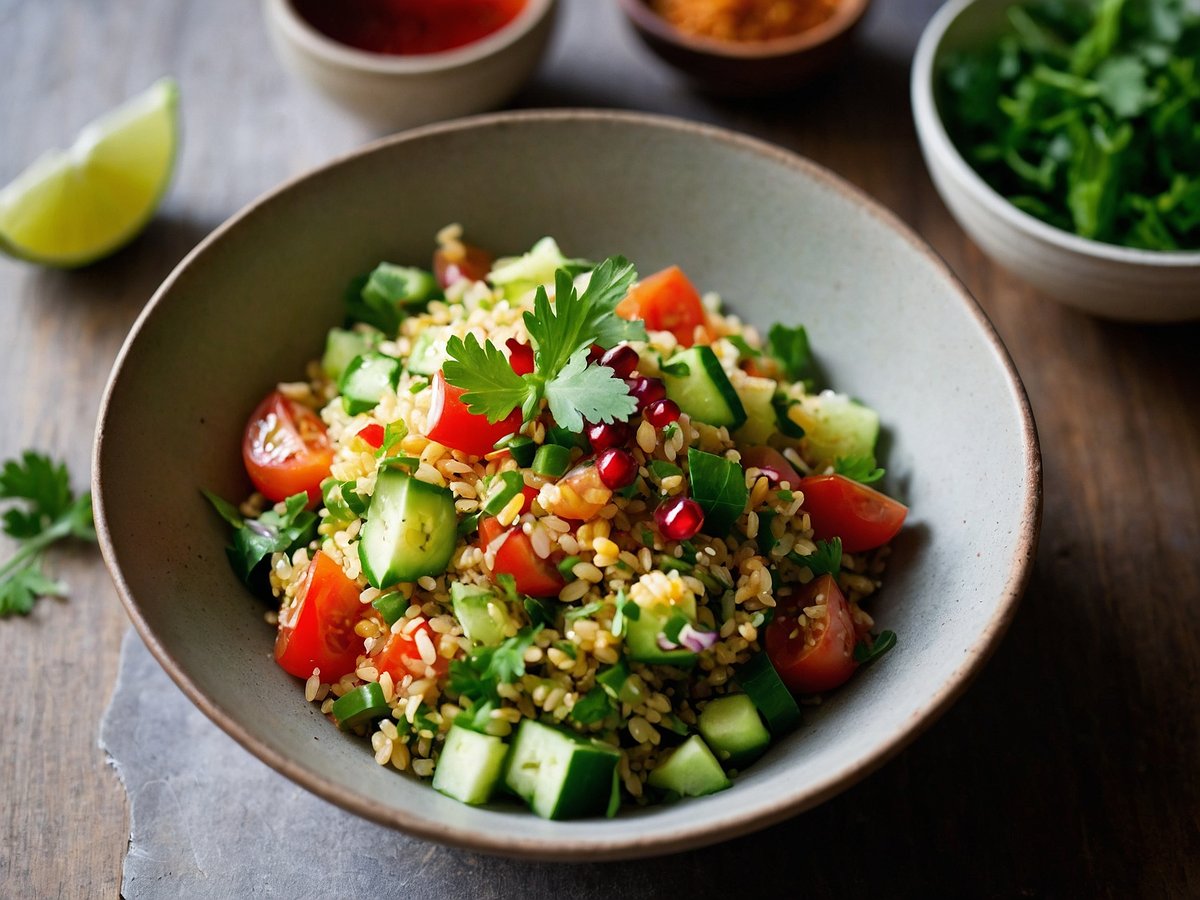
(537, 526)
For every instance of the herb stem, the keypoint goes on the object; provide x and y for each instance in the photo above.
(35, 545)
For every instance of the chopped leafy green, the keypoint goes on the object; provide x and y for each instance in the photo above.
(790, 347)
(51, 513)
(880, 645)
(825, 560)
(860, 468)
(719, 486)
(385, 297)
(256, 539)
(485, 668)
(594, 706)
(745, 351)
(582, 612)
(563, 332)
(1087, 116)
(661, 469)
(627, 611)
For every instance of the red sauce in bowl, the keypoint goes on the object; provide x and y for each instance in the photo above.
(407, 27)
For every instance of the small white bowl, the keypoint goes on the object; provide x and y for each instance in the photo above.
(391, 92)
(1103, 279)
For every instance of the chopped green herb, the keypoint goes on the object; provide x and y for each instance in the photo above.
(860, 468)
(583, 612)
(661, 469)
(785, 496)
(393, 433)
(790, 347)
(781, 403)
(719, 486)
(880, 644)
(594, 706)
(745, 351)
(566, 565)
(256, 539)
(825, 560)
(563, 333)
(624, 614)
(672, 563)
(540, 612)
(485, 668)
(468, 524)
(568, 648)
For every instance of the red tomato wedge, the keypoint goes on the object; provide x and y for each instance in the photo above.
(533, 575)
(819, 655)
(317, 631)
(473, 265)
(841, 507)
(402, 655)
(666, 301)
(373, 435)
(286, 449)
(453, 425)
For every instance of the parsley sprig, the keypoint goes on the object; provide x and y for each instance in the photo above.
(51, 513)
(562, 333)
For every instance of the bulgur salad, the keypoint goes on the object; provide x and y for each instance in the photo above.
(537, 527)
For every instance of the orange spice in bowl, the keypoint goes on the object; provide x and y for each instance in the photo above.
(744, 20)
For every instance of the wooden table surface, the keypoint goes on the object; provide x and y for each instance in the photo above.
(1071, 766)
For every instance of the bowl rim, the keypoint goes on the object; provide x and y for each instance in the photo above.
(942, 150)
(300, 33)
(845, 16)
(617, 847)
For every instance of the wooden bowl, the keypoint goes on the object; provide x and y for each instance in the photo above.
(747, 68)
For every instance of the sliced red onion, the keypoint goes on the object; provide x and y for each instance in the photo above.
(665, 643)
(772, 473)
(696, 640)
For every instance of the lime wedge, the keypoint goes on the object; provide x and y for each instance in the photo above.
(75, 206)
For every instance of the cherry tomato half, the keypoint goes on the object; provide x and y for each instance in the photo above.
(841, 507)
(819, 655)
(401, 655)
(666, 301)
(474, 264)
(533, 575)
(286, 449)
(317, 631)
(453, 425)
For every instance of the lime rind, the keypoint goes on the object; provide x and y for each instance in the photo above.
(73, 207)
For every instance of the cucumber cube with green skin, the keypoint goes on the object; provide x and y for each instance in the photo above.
(343, 346)
(411, 528)
(704, 393)
(642, 633)
(428, 351)
(367, 379)
(481, 613)
(360, 706)
(763, 685)
(837, 427)
(690, 771)
(731, 726)
(561, 775)
(469, 768)
(757, 395)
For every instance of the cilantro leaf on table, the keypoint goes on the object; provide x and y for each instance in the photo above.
(562, 333)
(48, 512)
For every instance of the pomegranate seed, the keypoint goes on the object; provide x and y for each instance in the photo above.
(602, 436)
(617, 468)
(520, 356)
(679, 518)
(646, 390)
(662, 413)
(622, 359)
(595, 352)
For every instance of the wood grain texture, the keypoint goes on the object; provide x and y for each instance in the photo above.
(1069, 769)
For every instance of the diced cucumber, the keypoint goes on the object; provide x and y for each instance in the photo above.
(517, 276)
(756, 395)
(500, 490)
(704, 393)
(690, 771)
(428, 351)
(730, 725)
(481, 613)
(469, 767)
(560, 774)
(360, 706)
(642, 634)
(763, 685)
(342, 346)
(837, 427)
(410, 531)
(367, 379)
(391, 606)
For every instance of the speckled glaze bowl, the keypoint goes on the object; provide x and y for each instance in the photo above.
(778, 237)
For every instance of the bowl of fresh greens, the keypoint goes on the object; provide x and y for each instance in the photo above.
(1065, 139)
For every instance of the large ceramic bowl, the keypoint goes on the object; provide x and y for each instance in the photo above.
(778, 237)
(1103, 279)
